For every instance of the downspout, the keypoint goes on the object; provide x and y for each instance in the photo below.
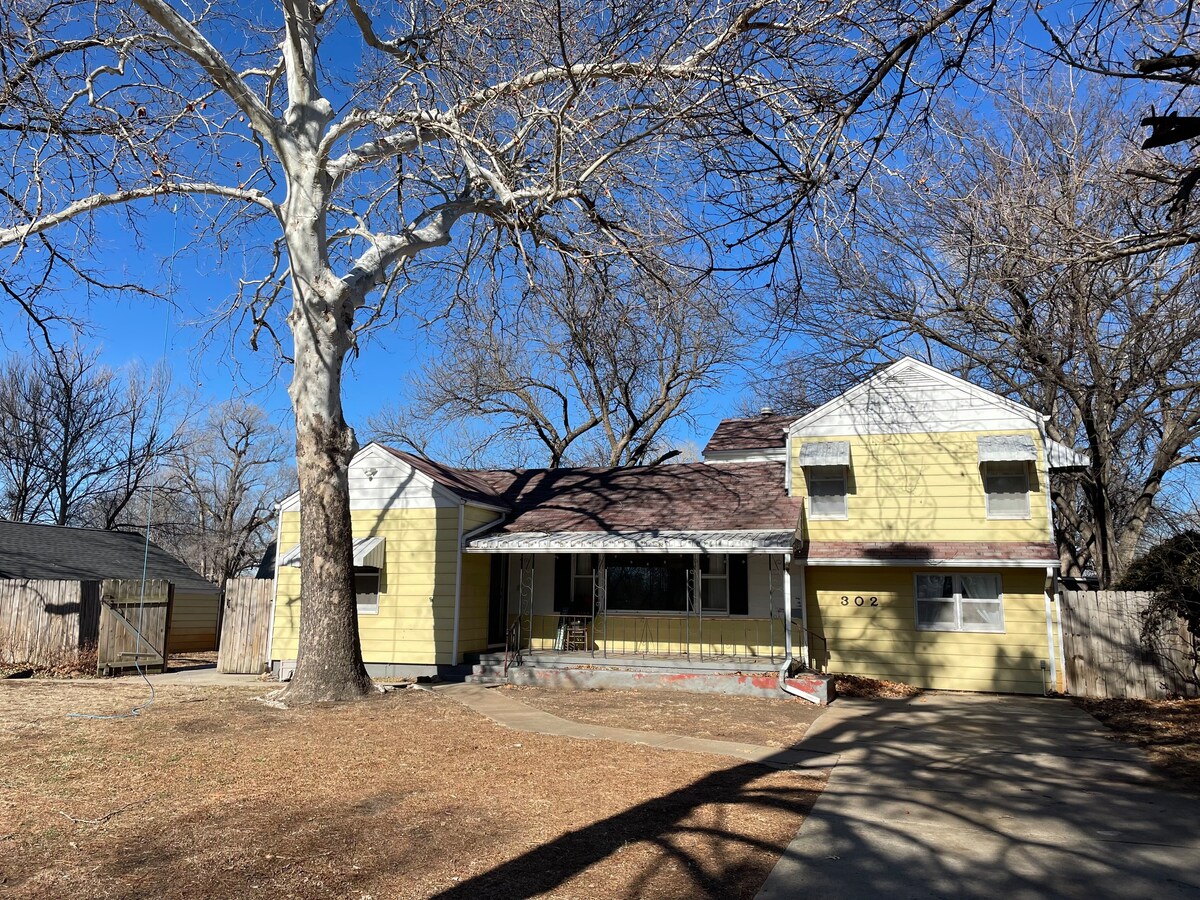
(1050, 627)
(805, 650)
(785, 669)
(275, 586)
(457, 582)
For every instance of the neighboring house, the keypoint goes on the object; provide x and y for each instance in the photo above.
(62, 553)
(901, 531)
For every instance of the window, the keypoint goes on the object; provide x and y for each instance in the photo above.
(827, 492)
(581, 583)
(959, 602)
(366, 591)
(714, 583)
(648, 582)
(1007, 487)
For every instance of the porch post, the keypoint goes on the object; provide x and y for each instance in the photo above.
(698, 600)
(787, 606)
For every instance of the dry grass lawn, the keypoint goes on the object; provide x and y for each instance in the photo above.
(772, 723)
(1169, 730)
(211, 794)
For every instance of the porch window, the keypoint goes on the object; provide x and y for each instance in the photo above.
(714, 583)
(581, 582)
(971, 602)
(1006, 485)
(827, 492)
(648, 583)
(366, 591)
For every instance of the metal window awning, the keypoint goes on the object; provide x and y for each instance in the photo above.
(1006, 448)
(368, 553)
(634, 542)
(825, 453)
(1060, 456)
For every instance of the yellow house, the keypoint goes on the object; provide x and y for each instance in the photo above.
(901, 531)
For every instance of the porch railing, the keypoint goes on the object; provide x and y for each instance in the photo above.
(659, 634)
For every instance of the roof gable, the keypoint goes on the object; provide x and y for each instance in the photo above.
(911, 396)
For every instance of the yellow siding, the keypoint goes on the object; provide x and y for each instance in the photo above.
(883, 642)
(922, 488)
(415, 622)
(193, 622)
(476, 582)
(675, 635)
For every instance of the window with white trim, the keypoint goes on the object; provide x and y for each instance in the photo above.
(968, 602)
(827, 492)
(714, 583)
(1006, 485)
(366, 591)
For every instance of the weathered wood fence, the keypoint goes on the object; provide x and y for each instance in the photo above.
(135, 618)
(57, 623)
(1109, 654)
(245, 626)
(48, 623)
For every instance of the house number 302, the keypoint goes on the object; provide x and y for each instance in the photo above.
(860, 601)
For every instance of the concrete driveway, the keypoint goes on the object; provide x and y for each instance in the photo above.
(972, 796)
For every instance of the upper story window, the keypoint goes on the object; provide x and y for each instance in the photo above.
(827, 492)
(826, 466)
(1006, 485)
(1004, 461)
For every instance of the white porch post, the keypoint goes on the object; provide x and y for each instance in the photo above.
(787, 606)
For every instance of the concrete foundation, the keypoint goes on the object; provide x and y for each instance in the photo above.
(766, 686)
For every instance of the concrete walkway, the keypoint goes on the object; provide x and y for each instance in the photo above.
(971, 796)
(519, 716)
(201, 676)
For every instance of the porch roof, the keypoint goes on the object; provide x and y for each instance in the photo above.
(764, 541)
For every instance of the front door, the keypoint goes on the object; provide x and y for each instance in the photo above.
(498, 600)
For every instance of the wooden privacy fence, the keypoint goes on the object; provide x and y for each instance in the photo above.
(245, 625)
(48, 623)
(1108, 655)
(53, 623)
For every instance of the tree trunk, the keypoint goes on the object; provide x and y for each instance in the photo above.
(329, 663)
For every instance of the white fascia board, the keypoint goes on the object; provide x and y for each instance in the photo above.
(764, 454)
(933, 563)
(904, 364)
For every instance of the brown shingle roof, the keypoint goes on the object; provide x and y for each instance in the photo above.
(464, 483)
(757, 433)
(696, 496)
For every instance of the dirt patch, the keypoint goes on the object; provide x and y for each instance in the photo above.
(859, 688)
(210, 793)
(772, 723)
(1169, 730)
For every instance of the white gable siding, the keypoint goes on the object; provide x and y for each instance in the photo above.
(394, 485)
(910, 400)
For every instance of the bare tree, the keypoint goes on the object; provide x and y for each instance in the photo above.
(80, 440)
(586, 368)
(359, 138)
(983, 261)
(215, 501)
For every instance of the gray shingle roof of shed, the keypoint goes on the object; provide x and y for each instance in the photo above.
(59, 552)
